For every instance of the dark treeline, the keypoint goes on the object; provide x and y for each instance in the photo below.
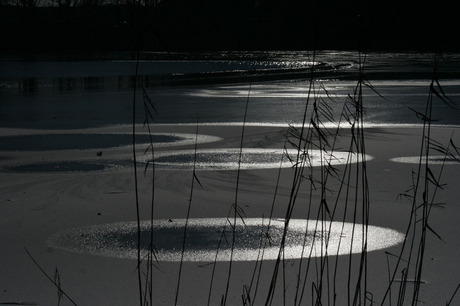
(205, 25)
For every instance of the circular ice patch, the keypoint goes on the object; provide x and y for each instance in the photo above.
(84, 141)
(433, 160)
(254, 158)
(210, 237)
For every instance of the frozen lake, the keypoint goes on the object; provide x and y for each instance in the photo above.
(46, 93)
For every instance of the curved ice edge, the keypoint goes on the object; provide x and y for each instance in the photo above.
(183, 138)
(326, 125)
(342, 238)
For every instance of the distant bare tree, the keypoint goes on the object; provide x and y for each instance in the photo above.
(150, 2)
(140, 2)
(67, 3)
(91, 3)
(130, 2)
(27, 3)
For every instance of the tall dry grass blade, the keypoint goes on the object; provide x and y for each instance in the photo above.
(189, 208)
(266, 238)
(423, 192)
(56, 283)
(279, 263)
(151, 257)
(136, 183)
(237, 210)
(453, 295)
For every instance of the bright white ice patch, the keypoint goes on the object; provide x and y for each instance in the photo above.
(433, 160)
(210, 239)
(253, 158)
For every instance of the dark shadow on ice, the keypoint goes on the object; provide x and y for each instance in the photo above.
(73, 166)
(62, 166)
(43, 142)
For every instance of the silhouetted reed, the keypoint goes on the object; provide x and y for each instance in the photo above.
(351, 196)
